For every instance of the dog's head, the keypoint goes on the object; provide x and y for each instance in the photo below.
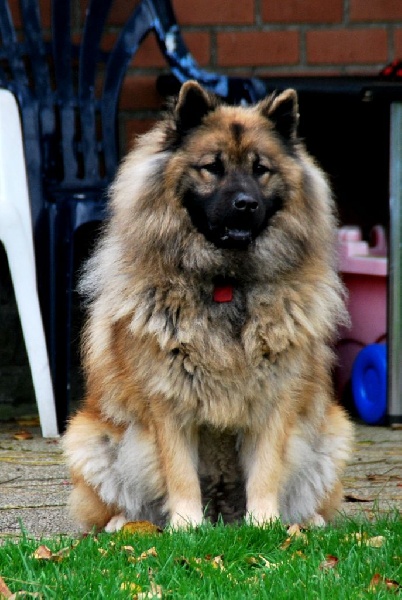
(233, 182)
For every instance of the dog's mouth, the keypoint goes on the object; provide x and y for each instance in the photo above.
(242, 236)
(232, 237)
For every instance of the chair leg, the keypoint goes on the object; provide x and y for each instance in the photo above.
(22, 269)
(59, 291)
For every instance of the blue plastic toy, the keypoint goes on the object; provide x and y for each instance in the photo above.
(369, 383)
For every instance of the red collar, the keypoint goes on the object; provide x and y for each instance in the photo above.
(223, 293)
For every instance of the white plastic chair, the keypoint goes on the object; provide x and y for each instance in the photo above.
(16, 236)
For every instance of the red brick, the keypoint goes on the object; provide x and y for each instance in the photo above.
(119, 13)
(201, 13)
(257, 48)
(302, 11)
(149, 55)
(398, 43)
(214, 12)
(139, 93)
(375, 10)
(362, 46)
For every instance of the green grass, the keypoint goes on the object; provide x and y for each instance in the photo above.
(232, 562)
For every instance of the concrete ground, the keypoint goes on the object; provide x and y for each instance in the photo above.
(34, 483)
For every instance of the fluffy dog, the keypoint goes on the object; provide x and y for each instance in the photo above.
(213, 301)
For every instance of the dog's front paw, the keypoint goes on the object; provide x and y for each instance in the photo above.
(262, 513)
(185, 516)
(116, 523)
(316, 520)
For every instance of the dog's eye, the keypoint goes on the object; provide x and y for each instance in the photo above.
(215, 167)
(260, 169)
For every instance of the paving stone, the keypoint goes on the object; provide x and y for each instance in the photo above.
(34, 482)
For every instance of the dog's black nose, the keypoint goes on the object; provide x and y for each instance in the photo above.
(245, 203)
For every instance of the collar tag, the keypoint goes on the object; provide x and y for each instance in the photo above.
(223, 293)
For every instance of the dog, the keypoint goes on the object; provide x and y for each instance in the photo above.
(213, 302)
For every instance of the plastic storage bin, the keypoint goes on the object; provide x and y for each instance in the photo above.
(364, 269)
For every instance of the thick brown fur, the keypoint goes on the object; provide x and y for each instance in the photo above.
(193, 404)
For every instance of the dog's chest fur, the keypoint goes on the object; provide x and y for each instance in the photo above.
(203, 350)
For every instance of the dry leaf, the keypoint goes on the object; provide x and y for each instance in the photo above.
(143, 556)
(376, 542)
(23, 435)
(217, 562)
(4, 590)
(379, 580)
(267, 564)
(330, 562)
(293, 531)
(128, 549)
(286, 544)
(44, 553)
(140, 527)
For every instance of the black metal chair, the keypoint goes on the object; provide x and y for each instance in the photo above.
(70, 134)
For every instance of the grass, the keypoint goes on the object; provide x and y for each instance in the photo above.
(354, 559)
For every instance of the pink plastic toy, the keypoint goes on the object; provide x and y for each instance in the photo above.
(364, 270)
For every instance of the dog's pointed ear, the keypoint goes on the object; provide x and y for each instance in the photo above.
(283, 111)
(192, 105)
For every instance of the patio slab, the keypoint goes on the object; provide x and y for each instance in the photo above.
(34, 482)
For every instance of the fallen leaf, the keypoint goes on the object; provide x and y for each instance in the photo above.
(379, 580)
(23, 435)
(143, 556)
(330, 562)
(140, 527)
(128, 549)
(376, 541)
(44, 553)
(268, 564)
(286, 544)
(217, 562)
(4, 590)
(293, 531)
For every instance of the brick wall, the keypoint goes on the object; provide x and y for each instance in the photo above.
(264, 37)
(259, 37)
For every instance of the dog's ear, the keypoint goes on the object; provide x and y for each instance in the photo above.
(192, 105)
(283, 111)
